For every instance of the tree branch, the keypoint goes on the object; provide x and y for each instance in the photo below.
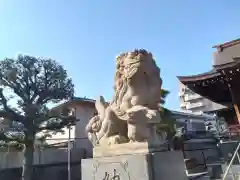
(7, 112)
(59, 123)
(17, 88)
(3, 136)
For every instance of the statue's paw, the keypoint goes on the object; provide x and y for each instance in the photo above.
(151, 113)
(117, 139)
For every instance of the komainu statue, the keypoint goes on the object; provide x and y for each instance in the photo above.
(133, 113)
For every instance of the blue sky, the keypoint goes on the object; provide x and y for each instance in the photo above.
(85, 36)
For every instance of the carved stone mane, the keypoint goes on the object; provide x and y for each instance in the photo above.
(137, 86)
(132, 61)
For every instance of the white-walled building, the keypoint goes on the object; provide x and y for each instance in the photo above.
(194, 121)
(85, 110)
(193, 102)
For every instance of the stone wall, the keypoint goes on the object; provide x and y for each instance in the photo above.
(45, 172)
(50, 164)
(48, 156)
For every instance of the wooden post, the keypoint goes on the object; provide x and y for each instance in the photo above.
(235, 105)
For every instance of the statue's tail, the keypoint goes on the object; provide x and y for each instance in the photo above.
(101, 105)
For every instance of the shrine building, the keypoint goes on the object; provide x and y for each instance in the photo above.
(222, 83)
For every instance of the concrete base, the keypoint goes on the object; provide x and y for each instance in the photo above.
(152, 166)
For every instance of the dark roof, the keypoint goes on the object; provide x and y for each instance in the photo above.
(215, 72)
(227, 44)
(211, 84)
(178, 114)
(76, 99)
(203, 76)
(224, 108)
(84, 99)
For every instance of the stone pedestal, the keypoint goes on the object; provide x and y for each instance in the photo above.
(128, 148)
(138, 162)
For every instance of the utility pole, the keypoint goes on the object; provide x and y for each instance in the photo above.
(69, 153)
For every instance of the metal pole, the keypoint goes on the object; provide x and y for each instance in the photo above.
(231, 162)
(7, 159)
(235, 105)
(69, 153)
(238, 157)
